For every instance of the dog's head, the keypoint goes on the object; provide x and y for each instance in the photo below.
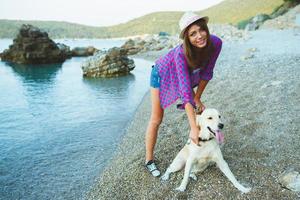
(211, 124)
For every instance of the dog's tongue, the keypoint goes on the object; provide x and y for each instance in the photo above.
(220, 137)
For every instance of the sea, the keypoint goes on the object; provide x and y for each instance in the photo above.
(58, 129)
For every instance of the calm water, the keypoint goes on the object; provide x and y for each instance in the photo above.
(58, 129)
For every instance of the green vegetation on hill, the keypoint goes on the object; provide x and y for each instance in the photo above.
(9, 29)
(151, 23)
(234, 11)
(228, 11)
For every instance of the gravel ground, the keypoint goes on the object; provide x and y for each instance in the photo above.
(256, 87)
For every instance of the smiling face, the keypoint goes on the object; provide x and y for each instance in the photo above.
(197, 44)
(197, 36)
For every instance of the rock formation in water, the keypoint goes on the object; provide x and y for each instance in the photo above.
(83, 51)
(110, 64)
(33, 46)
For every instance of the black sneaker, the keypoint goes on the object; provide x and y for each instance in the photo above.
(151, 167)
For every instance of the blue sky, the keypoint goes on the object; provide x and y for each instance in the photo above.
(94, 12)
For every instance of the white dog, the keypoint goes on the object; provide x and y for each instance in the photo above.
(196, 158)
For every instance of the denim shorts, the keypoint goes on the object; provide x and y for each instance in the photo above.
(154, 79)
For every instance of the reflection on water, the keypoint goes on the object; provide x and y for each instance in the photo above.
(36, 73)
(110, 85)
(110, 82)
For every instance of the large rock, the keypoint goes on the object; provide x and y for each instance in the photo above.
(256, 22)
(33, 46)
(290, 19)
(110, 64)
(83, 51)
(133, 46)
(229, 32)
(150, 43)
(65, 49)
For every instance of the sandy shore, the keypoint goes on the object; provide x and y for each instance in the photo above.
(256, 87)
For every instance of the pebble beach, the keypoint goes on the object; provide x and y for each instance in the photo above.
(256, 88)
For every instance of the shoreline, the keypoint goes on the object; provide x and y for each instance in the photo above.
(256, 92)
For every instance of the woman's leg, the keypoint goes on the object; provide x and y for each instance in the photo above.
(155, 120)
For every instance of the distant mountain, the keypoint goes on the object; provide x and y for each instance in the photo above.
(228, 11)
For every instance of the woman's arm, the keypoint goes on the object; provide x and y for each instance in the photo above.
(186, 93)
(201, 86)
(184, 82)
(194, 133)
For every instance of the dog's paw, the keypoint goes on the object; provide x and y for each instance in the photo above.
(193, 176)
(181, 188)
(245, 190)
(165, 177)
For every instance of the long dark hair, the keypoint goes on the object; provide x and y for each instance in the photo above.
(197, 56)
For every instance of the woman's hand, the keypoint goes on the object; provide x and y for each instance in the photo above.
(199, 105)
(201, 86)
(194, 135)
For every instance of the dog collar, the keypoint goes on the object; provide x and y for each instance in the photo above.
(201, 140)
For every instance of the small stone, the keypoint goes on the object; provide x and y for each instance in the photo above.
(291, 180)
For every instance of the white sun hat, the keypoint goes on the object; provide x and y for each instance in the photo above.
(187, 19)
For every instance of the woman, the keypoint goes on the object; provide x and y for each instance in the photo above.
(174, 75)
